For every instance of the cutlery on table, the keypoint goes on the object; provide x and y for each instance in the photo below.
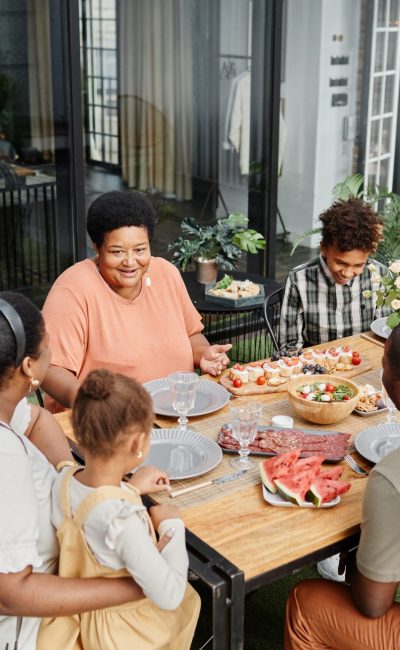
(355, 466)
(221, 479)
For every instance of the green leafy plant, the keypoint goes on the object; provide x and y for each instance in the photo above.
(223, 241)
(386, 203)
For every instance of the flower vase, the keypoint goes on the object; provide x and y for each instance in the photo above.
(206, 271)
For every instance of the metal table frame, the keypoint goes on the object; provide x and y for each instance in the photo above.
(229, 586)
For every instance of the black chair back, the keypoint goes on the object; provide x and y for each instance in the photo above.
(272, 314)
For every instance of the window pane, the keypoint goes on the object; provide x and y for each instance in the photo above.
(374, 146)
(376, 96)
(392, 51)
(382, 12)
(109, 63)
(384, 172)
(96, 33)
(386, 135)
(372, 172)
(389, 93)
(109, 34)
(380, 51)
(394, 13)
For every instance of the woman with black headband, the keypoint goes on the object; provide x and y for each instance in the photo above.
(28, 545)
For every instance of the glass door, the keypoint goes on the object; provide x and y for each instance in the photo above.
(383, 93)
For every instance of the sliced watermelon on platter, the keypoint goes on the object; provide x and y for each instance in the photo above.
(294, 487)
(333, 473)
(310, 463)
(322, 490)
(277, 467)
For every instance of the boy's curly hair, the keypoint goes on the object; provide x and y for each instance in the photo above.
(350, 225)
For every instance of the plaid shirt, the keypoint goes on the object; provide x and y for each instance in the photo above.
(315, 309)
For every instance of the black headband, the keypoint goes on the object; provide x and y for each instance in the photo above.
(14, 320)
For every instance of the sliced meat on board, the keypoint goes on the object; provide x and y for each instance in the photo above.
(276, 441)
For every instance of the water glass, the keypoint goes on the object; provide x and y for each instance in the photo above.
(183, 387)
(244, 420)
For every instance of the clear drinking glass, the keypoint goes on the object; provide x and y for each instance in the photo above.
(392, 410)
(183, 387)
(244, 421)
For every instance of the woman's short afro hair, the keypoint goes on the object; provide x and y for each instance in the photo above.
(350, 225)
(114, 210)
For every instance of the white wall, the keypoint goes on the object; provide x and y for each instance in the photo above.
(316, 155)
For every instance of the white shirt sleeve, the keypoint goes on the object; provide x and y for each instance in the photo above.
(162, 576)
(19, 529)
(21, 417)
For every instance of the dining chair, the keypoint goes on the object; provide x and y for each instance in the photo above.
(272, 312)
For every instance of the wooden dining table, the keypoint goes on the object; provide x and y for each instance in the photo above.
(236, 541)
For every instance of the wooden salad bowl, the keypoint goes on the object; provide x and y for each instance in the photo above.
(322, 412)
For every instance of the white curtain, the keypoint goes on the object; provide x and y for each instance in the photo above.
(155, 82)
(40, 83)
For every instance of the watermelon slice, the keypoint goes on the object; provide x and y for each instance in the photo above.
(312, 463)
(294, 487)
(323, 490)
(333, 473)
(276, 468)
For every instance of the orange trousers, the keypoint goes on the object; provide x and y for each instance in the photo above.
(320, 615)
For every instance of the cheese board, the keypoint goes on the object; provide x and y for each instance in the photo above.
(272, 375)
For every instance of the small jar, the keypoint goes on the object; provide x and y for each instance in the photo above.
(282, 421)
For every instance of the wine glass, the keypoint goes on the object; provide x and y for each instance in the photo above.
(183, 387)
(391, 417)
(244, 421)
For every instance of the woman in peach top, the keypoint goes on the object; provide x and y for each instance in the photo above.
(124, 310)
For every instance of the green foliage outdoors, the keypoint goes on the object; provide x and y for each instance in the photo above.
(223, 241)
(386, 203)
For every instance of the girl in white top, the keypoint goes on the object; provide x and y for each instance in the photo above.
(92, 507)
(28, 544)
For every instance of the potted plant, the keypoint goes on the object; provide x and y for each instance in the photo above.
(218, 245)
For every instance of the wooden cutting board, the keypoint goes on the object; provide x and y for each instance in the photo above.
(252, 388)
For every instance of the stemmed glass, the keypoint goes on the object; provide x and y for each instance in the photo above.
(183, 387)
(244, 421)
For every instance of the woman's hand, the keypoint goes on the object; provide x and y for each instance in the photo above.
(163, 511)
(150, 479)
(214, 359)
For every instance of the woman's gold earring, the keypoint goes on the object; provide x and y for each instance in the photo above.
(139, 454)
(34, 384)
(148, 279)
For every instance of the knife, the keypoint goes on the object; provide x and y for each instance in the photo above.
(221, 479)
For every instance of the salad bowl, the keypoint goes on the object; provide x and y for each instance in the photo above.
(325, 399)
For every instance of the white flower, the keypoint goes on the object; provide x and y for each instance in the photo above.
(367, 293)
(376, 278)
(372, 267)
(397, 282)
(395, 267)
(395, 304)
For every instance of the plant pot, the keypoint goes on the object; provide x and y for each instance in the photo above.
(206, 271)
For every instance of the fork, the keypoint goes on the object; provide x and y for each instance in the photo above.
(355, 466)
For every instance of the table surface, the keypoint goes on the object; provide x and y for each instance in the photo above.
(259, 538)
(196, 291)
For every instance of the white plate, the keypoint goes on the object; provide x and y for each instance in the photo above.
(277, 500)
(182, 454)
(210, 397)
(380, 328)
(377, 442)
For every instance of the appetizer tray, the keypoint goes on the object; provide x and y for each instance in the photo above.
(234, 302)
(252, 388)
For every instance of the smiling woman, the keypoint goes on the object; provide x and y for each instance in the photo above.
(123, 310)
